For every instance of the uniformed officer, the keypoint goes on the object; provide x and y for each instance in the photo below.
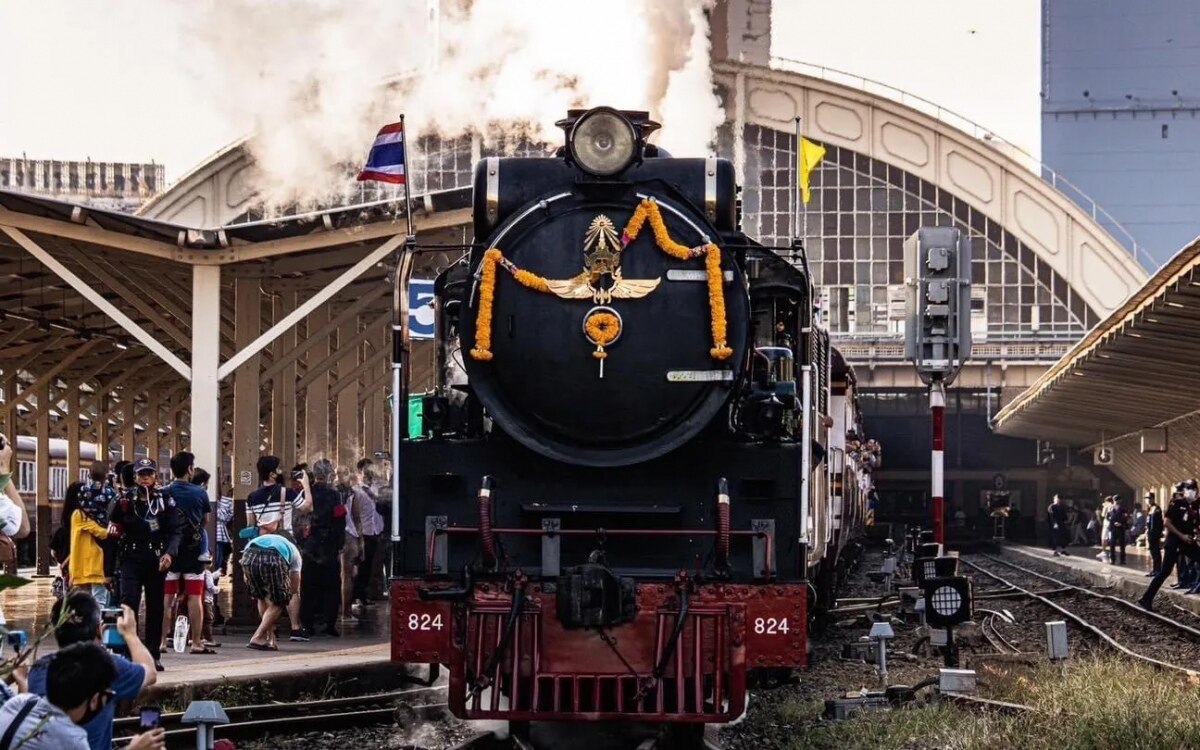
(1180, 522)
(149, 541)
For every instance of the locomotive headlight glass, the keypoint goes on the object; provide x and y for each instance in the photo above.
(603, 142)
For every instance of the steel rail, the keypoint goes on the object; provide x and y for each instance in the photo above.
(1087, 625)
(1091, 592)
(295, 717)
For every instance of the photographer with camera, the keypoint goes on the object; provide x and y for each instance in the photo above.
(78, 681)
(149, 533)
(87, 622)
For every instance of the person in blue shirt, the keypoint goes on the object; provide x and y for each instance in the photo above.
(79, 685)
(271, 565)
(186, 575)
(82, 625)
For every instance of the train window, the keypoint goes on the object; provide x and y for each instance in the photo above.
(26, 476)
(58, 482)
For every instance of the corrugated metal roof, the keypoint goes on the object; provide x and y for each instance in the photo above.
(1138, 368)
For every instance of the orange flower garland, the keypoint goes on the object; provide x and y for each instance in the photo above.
(647, 210)
(487, 294)
(602, 329)
(716, 303)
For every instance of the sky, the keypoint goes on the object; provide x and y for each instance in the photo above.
(130, 80)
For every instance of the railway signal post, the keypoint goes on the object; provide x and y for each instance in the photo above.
(937, 271)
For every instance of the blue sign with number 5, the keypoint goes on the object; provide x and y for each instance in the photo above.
(420, 308)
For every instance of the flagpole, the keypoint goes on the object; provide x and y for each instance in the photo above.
(407, 182)
(400, 360)
(796, 182)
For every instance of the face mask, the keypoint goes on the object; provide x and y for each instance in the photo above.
(1189, 494)
(92, 713)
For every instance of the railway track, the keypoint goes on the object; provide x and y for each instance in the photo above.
(406, 708)
(254, 722)
(1147, 636)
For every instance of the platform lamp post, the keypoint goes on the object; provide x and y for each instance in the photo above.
(937, 332)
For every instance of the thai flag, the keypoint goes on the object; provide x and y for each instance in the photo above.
(385, 163)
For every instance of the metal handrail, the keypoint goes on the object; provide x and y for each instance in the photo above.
(977, 131)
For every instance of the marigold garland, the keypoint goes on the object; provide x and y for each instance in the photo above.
(602, 328)
(487, 294)
(716, 303)
(647, 210)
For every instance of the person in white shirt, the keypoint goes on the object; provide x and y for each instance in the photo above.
(14, 520)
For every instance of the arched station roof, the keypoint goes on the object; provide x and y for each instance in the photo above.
(1069, 244)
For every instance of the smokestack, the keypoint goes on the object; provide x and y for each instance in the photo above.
(741, 31)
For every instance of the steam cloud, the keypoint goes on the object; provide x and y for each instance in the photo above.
(310, 72)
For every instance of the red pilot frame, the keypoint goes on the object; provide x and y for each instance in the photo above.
(522, 663)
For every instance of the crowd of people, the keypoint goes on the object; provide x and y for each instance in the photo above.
(67, 700)
(1170, 535)
(125, 536)
(309, 549)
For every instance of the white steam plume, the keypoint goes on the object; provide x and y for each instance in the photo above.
(310, 73)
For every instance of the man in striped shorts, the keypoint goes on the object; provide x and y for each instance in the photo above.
(271, 565)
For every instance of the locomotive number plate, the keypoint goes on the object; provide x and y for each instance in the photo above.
(682, 274)
(699, 376)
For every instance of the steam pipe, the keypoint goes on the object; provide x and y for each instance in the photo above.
(487, 537)
(723, 523)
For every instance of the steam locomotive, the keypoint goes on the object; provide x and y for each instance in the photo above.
(634, 485)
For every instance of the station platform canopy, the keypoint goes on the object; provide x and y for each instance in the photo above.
(145, 337)
(1134, 371)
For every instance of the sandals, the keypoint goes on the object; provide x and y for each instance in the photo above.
(206, 651)
(260, 647)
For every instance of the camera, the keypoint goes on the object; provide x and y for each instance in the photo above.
(17, 639)
(298, 475)
(110, 637)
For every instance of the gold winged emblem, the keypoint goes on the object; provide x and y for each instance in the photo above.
(602, 258)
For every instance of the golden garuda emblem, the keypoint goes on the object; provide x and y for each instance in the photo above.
(601, 277)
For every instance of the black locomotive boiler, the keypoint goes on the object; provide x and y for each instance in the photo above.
(625, 498)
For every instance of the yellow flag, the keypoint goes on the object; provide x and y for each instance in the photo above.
(810, 156)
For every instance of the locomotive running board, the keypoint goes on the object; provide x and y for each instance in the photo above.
(532, 682)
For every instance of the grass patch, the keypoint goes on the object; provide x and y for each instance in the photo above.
(1093, 704)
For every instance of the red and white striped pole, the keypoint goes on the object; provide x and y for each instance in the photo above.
(937, 410)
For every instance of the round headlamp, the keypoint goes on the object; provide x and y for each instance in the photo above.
(603, 142)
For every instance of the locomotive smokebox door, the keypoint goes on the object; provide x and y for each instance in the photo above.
(590, 596)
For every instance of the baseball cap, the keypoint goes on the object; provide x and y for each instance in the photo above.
(144, 464)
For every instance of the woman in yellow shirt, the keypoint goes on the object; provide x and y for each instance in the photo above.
(87, 556)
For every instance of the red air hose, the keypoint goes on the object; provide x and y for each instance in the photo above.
(723, 524)
(487, 537)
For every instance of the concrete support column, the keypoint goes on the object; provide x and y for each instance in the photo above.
(8, 412)
(42, 530)
(349, 417)
(206, 359)
(74, 464)
(283, 390)
(247, 322)
(100, 426)
(128, 423)
(316, 398)
(374, 414)
(153, 440)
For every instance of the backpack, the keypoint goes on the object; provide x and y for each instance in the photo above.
(337, 524)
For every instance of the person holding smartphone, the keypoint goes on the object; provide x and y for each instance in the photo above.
(79, 680)
(84, 624)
